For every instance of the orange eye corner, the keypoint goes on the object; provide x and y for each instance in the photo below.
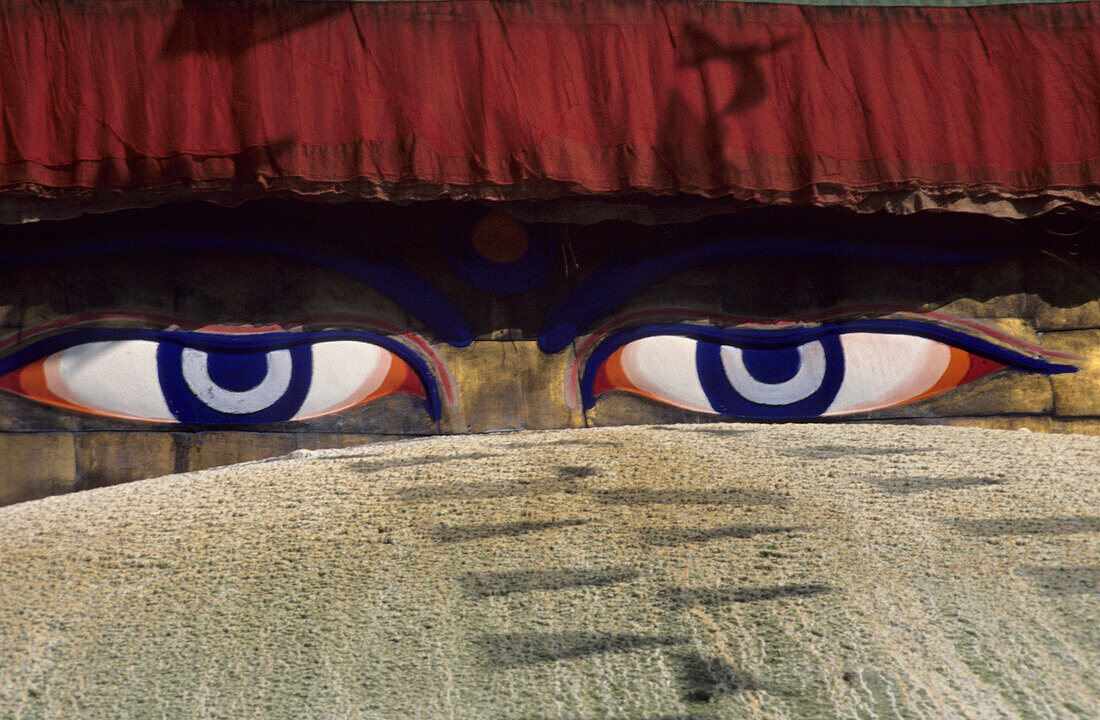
(30, 382)
(399, 379)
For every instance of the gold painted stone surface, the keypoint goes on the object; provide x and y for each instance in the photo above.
(507, 385)
(320, 441)
(22, 415)
(109, 458)
(1007, 391)
(1083, 426)
(706, 572)
(1077, 394)
(52, 458)
(1086, 315)
(1016, 305)
(623, 408)
(214, 448)
(1029, 424)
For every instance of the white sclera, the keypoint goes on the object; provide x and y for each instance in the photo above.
(120, 378)
(805, 382)
(117, 377)
(196, 373)
(344, 373)
(881, 370)
(664, 366)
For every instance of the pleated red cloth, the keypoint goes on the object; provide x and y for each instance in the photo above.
(524, 99)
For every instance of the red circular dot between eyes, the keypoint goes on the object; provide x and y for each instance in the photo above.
(499, 238)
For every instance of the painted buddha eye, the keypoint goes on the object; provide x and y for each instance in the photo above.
(832, 369)
(216, 378)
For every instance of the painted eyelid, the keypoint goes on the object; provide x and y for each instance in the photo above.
(228, 343)
(777, 339)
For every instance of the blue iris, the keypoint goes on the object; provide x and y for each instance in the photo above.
(234, 371)
(772, 366)
(237, 371)
(768, 365)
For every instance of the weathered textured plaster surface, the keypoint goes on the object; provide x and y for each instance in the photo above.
(1077, 394)
(711, 571)
(33, 465)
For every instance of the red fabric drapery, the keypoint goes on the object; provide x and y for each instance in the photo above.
(474, 98)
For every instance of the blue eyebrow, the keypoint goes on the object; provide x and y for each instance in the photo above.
(777, 339)
(622, 278)
(409, 291)
(217, 342)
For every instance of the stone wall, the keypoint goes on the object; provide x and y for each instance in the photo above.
(1028, 291)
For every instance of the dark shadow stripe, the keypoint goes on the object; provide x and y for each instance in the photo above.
(902, 485)
(564, 480)
(703, 679)
(488, 584)
(1063, 579)
(381, 463)
(712, 496)
(676, 536)
(514, 649)
(686, 597)
(996, 527)
(831, 451)
(458, 533)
